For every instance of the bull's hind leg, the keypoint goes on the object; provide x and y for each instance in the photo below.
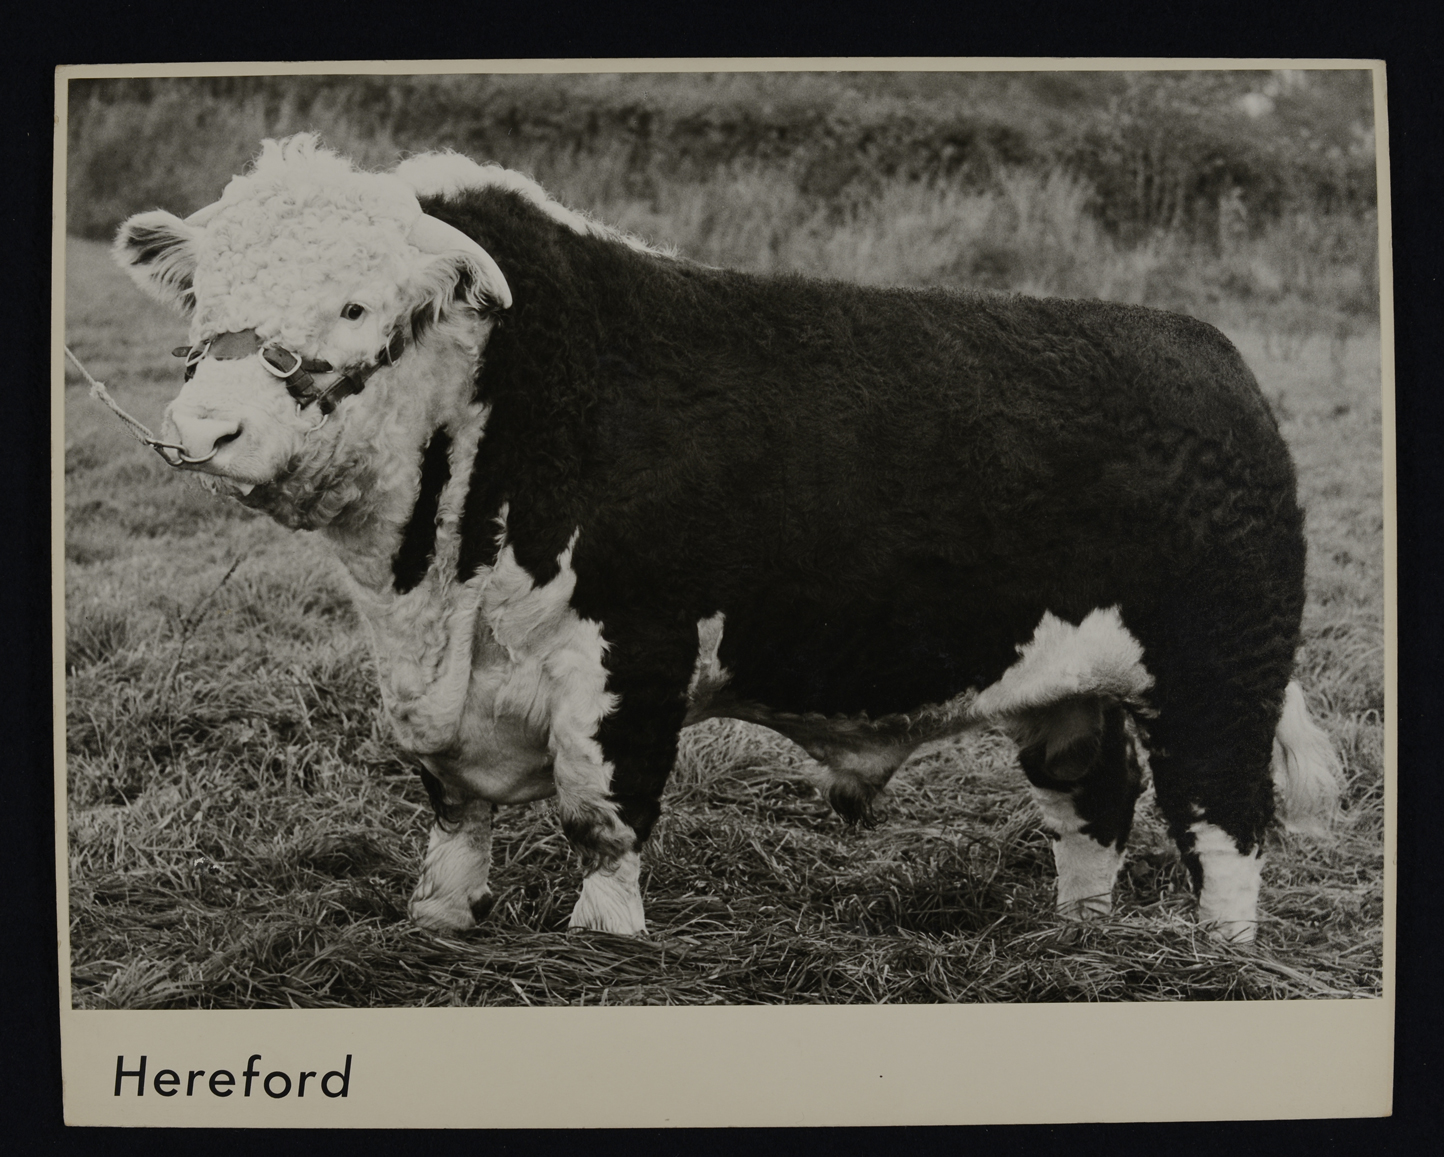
(1215, 789)
(1081, 761)
(452, 893)
(1211, 752)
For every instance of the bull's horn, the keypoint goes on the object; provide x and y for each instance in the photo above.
(201, 216)
(431, 235)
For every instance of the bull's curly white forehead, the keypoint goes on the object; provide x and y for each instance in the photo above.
(300, 227)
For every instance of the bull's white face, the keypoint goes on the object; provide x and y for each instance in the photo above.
(239, 418)
(327, 263)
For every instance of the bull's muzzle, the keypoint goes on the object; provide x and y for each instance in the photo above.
(201, 438)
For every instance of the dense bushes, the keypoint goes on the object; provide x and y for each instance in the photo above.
(1118, 184)
(1160, 148)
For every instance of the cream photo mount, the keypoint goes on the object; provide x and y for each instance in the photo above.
(734, 1065)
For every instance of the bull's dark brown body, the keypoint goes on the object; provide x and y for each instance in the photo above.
(884, 491)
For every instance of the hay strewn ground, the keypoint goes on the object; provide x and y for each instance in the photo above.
(241, 833)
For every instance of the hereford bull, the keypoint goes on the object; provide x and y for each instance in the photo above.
(588, 493)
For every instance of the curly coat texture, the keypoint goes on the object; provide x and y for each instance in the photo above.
(884, 491)
(282, 235)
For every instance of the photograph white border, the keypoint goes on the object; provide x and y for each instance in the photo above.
(812, 1065)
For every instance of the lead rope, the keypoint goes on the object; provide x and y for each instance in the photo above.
(141, 431)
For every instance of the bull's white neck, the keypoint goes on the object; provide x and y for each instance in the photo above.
(384, 436)
(422, 639)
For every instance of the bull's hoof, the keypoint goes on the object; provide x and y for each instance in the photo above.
(611, 901)
(637, 932)
(448, 913)
(1234, 933)
(1070, 934)
(1086, 908)
(589, 922)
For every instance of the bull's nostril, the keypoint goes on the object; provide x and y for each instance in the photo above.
(202, 437)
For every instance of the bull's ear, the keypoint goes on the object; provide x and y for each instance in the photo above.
(477, 285)
(431, 235)
(447, 286)
(158, 250)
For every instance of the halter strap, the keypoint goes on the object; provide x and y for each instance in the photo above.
(290, 367)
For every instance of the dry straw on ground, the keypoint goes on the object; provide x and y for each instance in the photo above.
(241, 834)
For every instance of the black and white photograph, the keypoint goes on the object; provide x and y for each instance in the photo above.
(725, 538)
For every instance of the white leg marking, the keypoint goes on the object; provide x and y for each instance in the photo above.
(1228, 900)
(557, 685)
(579, 700)
(454, 874)
(611, 899)
(708, 674)
(1086, 869)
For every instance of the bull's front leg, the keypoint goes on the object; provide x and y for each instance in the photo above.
(452, 894)
(614, 740)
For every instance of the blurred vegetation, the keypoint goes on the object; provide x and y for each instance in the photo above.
(1203, 191)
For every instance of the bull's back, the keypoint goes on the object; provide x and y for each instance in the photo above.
(875, 440)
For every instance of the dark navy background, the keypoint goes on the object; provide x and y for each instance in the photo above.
(41, 36)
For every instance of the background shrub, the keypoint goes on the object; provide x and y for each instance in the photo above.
(1192, 190)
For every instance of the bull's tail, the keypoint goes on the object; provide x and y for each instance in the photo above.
(1306, 772)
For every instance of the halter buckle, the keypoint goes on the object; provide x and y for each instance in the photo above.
(194, 356)
(275, 370)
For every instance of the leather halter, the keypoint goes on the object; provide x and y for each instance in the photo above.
(294, 370)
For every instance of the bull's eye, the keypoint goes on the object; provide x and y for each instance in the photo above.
(353, 311)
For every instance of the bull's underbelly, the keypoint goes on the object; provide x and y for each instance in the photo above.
(501, 758)
(854, 741)
(503, 751)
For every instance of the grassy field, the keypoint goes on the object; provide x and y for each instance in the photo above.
(241, 833)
